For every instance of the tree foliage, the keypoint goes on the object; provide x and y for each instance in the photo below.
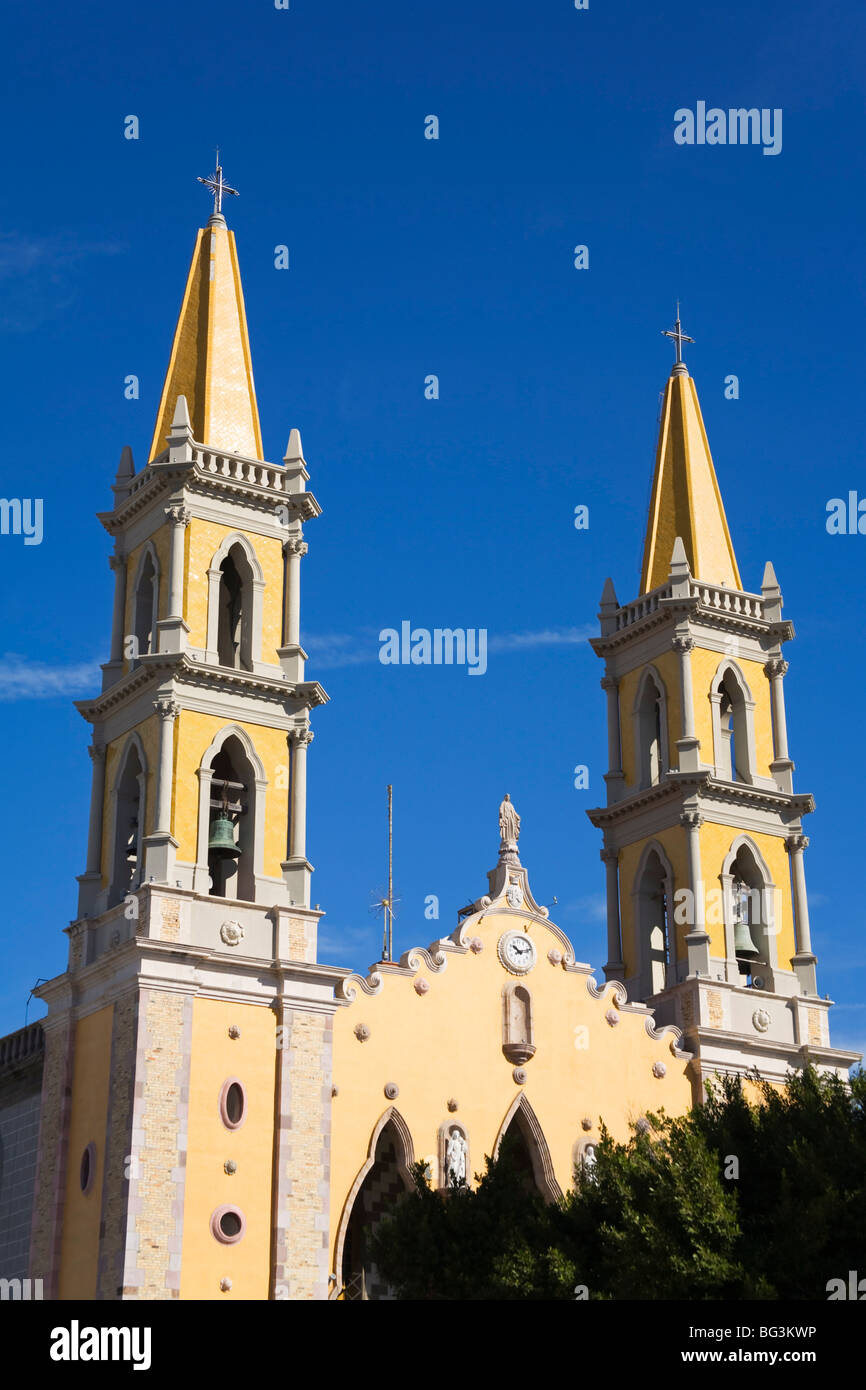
(736, 1200)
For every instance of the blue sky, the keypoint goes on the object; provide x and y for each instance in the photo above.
(454, 257)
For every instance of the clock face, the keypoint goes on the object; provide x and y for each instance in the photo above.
(517, 952)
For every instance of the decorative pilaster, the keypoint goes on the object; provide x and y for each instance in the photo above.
(615, 968)
(113, 668)
(697, 940)
(804, 961)
(172, 629)
(291, 654)
(688, 745)
(90, 882)
(781, 767)
(297, 868)
(160, 845)
(614, 777)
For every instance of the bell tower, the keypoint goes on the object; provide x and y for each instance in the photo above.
(192, 992)
(707, 912)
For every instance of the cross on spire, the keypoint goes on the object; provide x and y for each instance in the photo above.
(678, 336)
(218, 186)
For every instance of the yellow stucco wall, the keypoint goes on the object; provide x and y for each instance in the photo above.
(251, 1059)
(421, 1043)
(204, 539)
(82, 1212)
(667, 666)
(194, 734)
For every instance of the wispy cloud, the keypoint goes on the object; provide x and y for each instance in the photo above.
(35, 272)
(592, 907)
(21, 679)
(334, 649)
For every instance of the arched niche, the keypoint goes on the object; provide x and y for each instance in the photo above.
(235, 605)
(383, 1177)
(522, 1125)
(650, 727)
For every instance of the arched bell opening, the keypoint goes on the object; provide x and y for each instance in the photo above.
(126, 860)
(144, 606)
(653, 894)
(749, 902)
(234, 626)
(232, 828)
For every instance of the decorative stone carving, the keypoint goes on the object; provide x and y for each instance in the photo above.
(485, 901)
(301, 738)
(392, 1090)
(456, 1149)
(179, 516)
(692, 820)
(294, 546)
(167, 708)
(452, 1105)
(509, 823)
(362, 1032)
(776, 666)
(659, 1070)
(519, 1076)
(586, 1122)
(795, 843)
(643, 1125)
(231, 933)
(422, 986)
(682, 643)
(225, 1285)
(476, 945)
(230, 1166)
(612, 1017)
(554, 956)
(234, 1031)
(761, 1020)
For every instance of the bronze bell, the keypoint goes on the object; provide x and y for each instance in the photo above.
(222, 837)
(744, 946)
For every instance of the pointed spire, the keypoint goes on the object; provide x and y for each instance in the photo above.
(180, 421)
(686, 503)
(210, 362)
(772, 595)
(294, 452)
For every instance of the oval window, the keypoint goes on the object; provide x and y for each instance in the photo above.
(87, 1172)
(228, 1224)
(233, 1103)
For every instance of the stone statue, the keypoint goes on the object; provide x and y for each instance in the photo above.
(509, 822)
(455, 1157)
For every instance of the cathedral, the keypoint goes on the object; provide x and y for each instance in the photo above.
(207, 1111)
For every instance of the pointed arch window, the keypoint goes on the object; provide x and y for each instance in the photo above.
(145, 605)
(749, 904)
(650, 729)
(733, 725)
(234, 632)
(653, 896)
(231, 857)
(128, 796)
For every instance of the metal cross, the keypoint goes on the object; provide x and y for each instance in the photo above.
(217, 186)
(678, 335)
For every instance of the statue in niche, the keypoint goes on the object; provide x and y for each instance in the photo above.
(588, 1162)
(455, 1157)
(509, 822)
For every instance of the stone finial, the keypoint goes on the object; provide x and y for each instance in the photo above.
(679, 571)
(294, 449)
(771, 594)
(608, 607)
(125, 474)
(181, 423)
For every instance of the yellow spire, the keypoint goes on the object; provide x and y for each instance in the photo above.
(686, 501)
(210, 356)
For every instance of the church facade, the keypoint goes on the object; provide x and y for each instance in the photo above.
(221, 1115)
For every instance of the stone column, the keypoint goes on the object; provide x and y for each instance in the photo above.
(160, 845)
(90, 882)
(803, 961)
(615, 968)
(614, 777)
(781, 767)
(301, 740)
(697, 939)
(172, 629)
(113, 668)
(688, 746)
(291, 653)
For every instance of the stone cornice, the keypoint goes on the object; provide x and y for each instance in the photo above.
(677, 786)
(164, 476)
(180, 667)
(671, 611)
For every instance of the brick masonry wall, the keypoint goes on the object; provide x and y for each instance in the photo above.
(119, 1160)
(51, 1157)
(20, 1098)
